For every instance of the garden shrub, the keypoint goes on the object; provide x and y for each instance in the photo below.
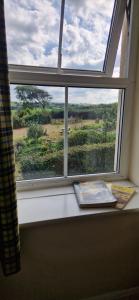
(96, 158)
(35, 131)
(18, 122)
(82, 160)
(49, 162)
(81, 137)
(37, 115)
(25, 117)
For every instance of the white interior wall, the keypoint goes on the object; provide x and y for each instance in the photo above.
(76, 259)
(134, 150)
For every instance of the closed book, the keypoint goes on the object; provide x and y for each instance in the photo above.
(94, 194)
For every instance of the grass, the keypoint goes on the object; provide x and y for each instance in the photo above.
(54, 130)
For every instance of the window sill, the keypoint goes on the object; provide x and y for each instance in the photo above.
(59, 203)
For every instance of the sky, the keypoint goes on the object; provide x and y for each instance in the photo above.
(32, 29)
(83, 96)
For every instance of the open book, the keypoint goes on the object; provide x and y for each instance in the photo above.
(94, 194)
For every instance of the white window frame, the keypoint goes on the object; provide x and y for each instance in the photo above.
(114, 36)
(43, 76)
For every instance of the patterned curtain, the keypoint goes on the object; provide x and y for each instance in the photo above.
(9, 235)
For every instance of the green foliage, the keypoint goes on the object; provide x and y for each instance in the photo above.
(25, 117)
(86, 112)
(32, 96)
(81, 137)
(57, 113)
(37, 115)
(35, 131)
(94, 126)
(82, 159)
(91, 147)
(96, 158)
(28, 114)
(93, 112)
(90, 136)
(17, 122)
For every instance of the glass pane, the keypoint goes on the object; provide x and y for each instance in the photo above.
(85, 36)
(120, 62)
(92, 121)
(116, 70)
(38, 127)
(33, 31)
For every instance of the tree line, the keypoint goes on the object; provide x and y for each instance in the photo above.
(36, 105)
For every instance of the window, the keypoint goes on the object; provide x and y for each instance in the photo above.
(92, 130)
(69, 101)
(85, 34)
(56, 133)
(33, 32)
(38, 131)
(79, 35)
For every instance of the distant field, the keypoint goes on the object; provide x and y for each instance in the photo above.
(54, 131)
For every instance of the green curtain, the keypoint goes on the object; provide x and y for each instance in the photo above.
(9, 234)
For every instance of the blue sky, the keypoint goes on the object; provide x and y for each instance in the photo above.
(33, 33)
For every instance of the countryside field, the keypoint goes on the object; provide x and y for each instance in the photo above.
(54, 131)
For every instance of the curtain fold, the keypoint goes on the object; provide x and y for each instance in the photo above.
(9, 234)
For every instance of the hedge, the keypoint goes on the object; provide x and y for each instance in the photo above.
(87, 136)
(82, 159)
(24, 118)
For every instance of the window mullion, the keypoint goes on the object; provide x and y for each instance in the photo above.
(61, 34)
(120, 114)
(66, 134)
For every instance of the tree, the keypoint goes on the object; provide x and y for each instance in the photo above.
(32, 96)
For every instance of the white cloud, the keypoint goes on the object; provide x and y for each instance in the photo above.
(86, 7)
(93, 96)
(82, 96)
(33, 32)
(86, 30)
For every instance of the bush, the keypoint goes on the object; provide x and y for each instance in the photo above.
(95, 126)
(35, 131)
(96, 158)
(53, 162)
(17, 122)
(37, 115)
(82, 137)
(82, 160)
(25, 117)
